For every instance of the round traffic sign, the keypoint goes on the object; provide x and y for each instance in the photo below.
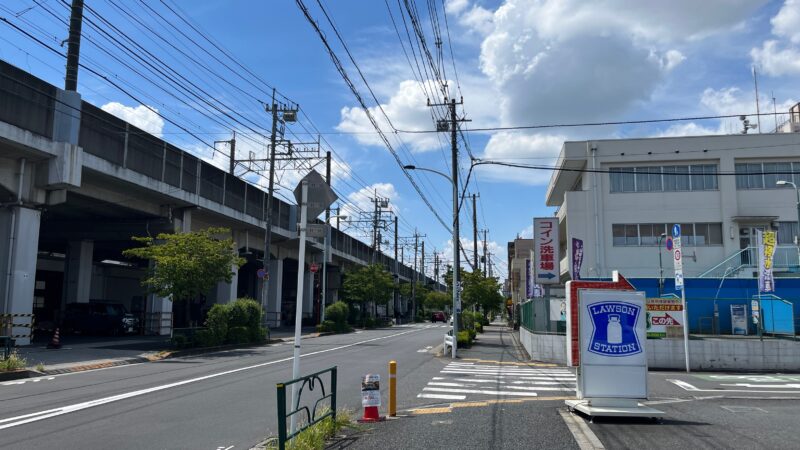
(314, 267)
(676, 230)
(669, 243)
(677, 254)
(260, 273)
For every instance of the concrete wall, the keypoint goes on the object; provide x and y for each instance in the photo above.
(705, 354)
(544, 347)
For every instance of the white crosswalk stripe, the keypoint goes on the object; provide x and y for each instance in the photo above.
(477, 381)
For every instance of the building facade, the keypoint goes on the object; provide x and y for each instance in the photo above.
(621, 197)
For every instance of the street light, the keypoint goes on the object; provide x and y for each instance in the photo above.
(325, 265)
(456, 243)
(797, 237)
(660, 267)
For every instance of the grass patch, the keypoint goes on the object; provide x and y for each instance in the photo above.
(40, 367)
(315, 436)
(13, 362)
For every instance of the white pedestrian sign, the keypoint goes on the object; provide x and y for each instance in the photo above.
(677, 256)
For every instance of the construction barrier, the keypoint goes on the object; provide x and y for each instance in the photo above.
(10, 321)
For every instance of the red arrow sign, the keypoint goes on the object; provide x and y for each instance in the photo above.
(618, 284)
(665, 320)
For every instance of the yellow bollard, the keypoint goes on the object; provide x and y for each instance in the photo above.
(392, 388)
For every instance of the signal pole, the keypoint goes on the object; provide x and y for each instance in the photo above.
(485, 255)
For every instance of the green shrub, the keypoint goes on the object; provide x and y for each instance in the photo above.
(258, 335)
(207, 338)
(13, 362)
(180, 341)
(479, 328)
(370, 323)
(472, 335)
(326, 326)
(464, 339)
(245, 312)
(238, 335)
(337, 312)
(217, 323)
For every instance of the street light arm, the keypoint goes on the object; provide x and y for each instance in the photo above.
(429, 170)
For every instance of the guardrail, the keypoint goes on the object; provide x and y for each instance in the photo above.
(311, 381)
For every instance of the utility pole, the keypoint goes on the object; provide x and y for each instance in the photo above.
(422, 264)
(475, 234)
(327, 243)
(414, 280)
(289, 114)
(485, 255)
(396, 296)
(74, 46)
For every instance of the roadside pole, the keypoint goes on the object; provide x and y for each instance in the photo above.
(298, 315)
(677, 257)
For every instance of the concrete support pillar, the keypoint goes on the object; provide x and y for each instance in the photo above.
(274, 302)
(78, 272)
(160, 317)
(226, 292)
(19, 244)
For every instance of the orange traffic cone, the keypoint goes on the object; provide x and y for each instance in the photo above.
(55, 342)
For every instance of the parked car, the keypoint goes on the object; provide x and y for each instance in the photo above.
(439, 316)
(98, 318)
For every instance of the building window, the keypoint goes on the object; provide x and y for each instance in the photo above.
(698, 177)
(647, 234)
(766, 175)
(786, 233)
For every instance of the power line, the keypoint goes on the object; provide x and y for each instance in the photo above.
(597, 124)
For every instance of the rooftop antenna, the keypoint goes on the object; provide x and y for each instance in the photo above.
(774, 110)
(758, 111)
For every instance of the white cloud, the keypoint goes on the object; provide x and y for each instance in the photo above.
(778, 57)
(787, 22)
(775, 60)
(455, 6)
(140, 116)
(407, 109)
(478, 19)
(536, 149)
(687, 129)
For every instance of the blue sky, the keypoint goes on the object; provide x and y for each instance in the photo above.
(518, 62)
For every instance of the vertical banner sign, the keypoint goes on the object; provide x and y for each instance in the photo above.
(528, 282)
(577, 258)
(766, 250)
(371, 390)
(547, 260)
(677, 256)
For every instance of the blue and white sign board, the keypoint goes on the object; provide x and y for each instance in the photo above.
(677, 256)
(612, 379)
(613, 335)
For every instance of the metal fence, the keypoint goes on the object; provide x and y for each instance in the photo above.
(537, 315)
(310, 413)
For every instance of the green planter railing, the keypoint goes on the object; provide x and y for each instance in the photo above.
(310, 417)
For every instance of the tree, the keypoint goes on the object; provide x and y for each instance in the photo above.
(186, 265)
(437, 300)
(483, 292)
(370, 283)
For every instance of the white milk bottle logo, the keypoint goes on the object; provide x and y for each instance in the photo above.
(614, 329)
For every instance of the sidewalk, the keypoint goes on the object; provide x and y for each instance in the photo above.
(79, 353)
(492, 415)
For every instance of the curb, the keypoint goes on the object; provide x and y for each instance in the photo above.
(16, 375)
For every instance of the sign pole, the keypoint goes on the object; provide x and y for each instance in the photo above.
(685, 329)
(298, 315)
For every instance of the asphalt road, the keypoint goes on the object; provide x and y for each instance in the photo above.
(211, 401)
(712, 411)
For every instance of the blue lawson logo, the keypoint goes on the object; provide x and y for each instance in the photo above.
(614, 331)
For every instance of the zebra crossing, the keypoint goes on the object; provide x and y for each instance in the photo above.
(460, 380)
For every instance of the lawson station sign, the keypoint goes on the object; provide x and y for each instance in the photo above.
(614, 330)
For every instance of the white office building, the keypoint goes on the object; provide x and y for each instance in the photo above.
(620, 195)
